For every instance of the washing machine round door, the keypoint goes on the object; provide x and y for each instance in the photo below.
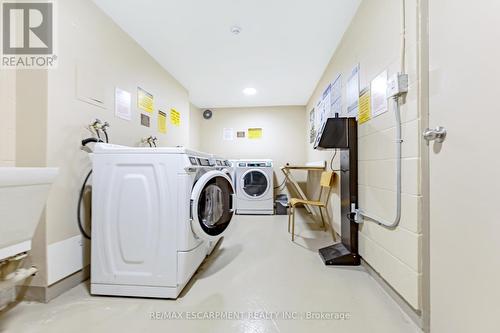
(212, 202)
(255, 183)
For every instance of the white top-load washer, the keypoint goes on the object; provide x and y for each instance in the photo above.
(155, 213)
(254, 187)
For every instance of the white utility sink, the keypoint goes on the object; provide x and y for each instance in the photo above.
(23, 193)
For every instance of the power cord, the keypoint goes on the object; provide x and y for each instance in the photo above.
(79, 211)
(98, 126)
(333, 157)
(331, 163)
(280, 185)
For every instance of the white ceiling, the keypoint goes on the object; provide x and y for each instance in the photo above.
(282, 50)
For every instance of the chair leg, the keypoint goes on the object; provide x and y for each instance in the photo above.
(293, 224)
(289, 217)
(334, 234)
(322, 217)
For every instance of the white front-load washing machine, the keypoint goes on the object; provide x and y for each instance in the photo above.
(156, 212)
(225, 166)
(254, 187)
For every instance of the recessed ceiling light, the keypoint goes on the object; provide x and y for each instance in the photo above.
(235, 29)
(249, 91)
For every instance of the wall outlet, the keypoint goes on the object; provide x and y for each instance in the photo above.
(397, 85)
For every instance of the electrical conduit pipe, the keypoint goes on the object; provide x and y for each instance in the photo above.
(394, 222)
(399, 141)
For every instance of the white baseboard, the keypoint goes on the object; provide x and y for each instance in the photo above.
(67, 257)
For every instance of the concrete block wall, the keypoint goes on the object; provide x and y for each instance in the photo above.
(373, 42)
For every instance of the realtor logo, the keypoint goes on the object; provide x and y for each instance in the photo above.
(27, 34)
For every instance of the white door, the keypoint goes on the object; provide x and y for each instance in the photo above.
(464, 170)
(212, 205)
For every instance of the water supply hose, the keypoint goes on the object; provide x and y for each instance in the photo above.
(79, 210)
(85, 142)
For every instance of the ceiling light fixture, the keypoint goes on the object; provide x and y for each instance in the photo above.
(249, 91)
(235, 30)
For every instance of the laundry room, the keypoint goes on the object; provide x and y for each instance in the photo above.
(248, 166)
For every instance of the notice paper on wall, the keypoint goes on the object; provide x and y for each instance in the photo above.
(241, 134)
(145, 120)
(336, 108)
(379, 94)
(312, 129)
(329, 104)
(175, 117)
(353, 92)
(324, 107)
(123, 107)
(255, 133)
(364, 106)
(336, 97)
(162, 122)
(227, 134)
(145, 100)
(336, 89)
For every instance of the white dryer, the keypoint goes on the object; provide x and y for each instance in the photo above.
(254, 187)
(155, 213)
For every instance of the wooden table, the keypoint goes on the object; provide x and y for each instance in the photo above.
(291, 180)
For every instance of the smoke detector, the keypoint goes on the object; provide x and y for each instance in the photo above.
(235, 30)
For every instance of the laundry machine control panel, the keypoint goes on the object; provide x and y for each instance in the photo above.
(255, 165)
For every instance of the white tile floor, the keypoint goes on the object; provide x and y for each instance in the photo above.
(256, 271)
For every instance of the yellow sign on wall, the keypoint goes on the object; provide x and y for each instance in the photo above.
(255, 133)
(162, 122)
(365, 112)
(145, 100)
(175, 117)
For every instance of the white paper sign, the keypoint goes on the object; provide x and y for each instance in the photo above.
(379, 94)
(336, 89)
(123, 105)
(353, 93)
(325, 105)
(228, 134)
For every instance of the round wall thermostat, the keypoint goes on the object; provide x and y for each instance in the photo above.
(207, 114)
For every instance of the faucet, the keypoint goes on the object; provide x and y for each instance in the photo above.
(151, 140)
(99, 126)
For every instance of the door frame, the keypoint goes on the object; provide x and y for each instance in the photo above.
(423, 106)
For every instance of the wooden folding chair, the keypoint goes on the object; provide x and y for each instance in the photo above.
(326, 184)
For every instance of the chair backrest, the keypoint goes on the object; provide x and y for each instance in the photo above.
(326, 183)
(327, 178)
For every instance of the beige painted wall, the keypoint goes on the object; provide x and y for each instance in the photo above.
(54, 119)
(195, 119)
(89, 41)
(7, 117)
(283, 133)
(373, 41)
